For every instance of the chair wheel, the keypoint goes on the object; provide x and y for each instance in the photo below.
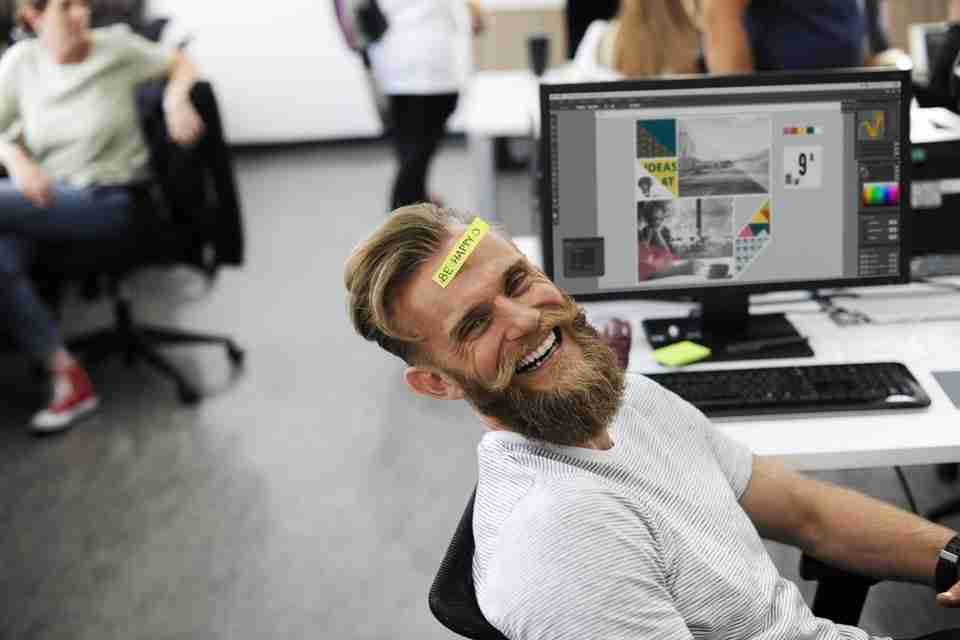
(236, 355)
(188, 396)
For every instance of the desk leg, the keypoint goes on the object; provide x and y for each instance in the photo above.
(484, 176)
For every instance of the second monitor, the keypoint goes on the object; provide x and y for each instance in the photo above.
(719, 187)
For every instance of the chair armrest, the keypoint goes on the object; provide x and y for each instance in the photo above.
(840, 594)
(813, 569)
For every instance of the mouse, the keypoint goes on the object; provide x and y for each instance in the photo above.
(617, 334)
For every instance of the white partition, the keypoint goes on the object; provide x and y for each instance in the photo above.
(280, 68)
(281, 71)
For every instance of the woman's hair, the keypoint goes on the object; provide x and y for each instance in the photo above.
(380, 266)
(650, 33)
(647, 208)
(21, 20)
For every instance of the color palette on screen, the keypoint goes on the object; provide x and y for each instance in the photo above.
(802, 131)
(881, 194)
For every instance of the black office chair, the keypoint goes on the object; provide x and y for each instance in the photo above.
(188, 215)
(453, 599)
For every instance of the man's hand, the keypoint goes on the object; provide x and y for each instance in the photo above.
(183, 122)
(950, 599)
(35, 185)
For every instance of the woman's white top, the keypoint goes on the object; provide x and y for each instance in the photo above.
(593, 59)
(421, 51)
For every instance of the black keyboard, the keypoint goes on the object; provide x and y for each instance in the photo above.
(804, 389)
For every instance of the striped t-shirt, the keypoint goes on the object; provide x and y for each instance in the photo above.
(644, 540)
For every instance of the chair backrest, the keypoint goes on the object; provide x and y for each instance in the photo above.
(453, 599)
(197, 185)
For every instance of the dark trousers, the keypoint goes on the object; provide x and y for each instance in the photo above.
(946, 634)
(419, 123)
(79, 220)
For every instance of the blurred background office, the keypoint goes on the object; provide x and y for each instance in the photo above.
(307, 492)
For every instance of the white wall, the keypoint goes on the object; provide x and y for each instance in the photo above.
(280, 69)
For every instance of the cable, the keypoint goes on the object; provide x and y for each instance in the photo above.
(906, 490)
(840, 315)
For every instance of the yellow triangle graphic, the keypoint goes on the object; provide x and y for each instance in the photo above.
(762, 216)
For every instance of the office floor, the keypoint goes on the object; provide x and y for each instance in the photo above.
(313, 496)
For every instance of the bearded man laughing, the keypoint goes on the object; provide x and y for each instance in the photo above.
(606, 506)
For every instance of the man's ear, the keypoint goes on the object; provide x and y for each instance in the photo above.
(433, 383)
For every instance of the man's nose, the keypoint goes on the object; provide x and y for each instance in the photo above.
(521, 319)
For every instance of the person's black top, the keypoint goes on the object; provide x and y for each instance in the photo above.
(814, 34)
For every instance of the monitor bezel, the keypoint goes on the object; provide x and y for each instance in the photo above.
(831, 76)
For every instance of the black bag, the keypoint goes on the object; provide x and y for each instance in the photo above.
(361, 22)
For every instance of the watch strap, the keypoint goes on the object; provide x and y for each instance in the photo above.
(946, 574)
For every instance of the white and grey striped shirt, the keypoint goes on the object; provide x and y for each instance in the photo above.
(644, 540)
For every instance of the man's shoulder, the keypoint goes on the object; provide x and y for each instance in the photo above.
(558, 506)
(640, 391)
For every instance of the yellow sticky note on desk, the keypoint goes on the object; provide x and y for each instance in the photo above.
(681, 353)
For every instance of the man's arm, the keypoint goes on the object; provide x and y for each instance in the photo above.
(842, 527)
(726, 43)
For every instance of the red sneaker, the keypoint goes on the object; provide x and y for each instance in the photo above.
(73, 398)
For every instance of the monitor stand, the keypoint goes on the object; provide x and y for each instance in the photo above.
(724, 319)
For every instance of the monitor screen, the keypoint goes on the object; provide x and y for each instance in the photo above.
(739, 183)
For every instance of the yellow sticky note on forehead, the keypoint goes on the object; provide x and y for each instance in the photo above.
(461, 251)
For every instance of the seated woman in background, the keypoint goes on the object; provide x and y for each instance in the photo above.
(75, 155)
(646, 38)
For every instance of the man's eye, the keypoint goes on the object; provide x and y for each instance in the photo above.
(473, 327)
(518, 284)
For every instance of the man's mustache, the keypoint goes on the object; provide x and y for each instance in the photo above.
(563, 316)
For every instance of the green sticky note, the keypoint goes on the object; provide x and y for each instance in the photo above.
(681, 353)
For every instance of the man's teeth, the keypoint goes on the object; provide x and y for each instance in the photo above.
(536, 358)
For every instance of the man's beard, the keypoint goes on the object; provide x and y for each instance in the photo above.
(587, 394)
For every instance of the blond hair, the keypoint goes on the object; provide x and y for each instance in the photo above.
(382, 264)
(651, 34)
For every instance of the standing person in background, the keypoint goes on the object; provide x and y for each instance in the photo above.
(742, 36)
(78, 163)
(415, 65)
(646, 38)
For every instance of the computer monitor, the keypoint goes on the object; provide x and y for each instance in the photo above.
(718, 187)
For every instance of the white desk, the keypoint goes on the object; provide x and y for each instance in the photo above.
(496, 104)
(841, 440)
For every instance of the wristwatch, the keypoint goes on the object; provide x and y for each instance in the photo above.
(946, 575)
